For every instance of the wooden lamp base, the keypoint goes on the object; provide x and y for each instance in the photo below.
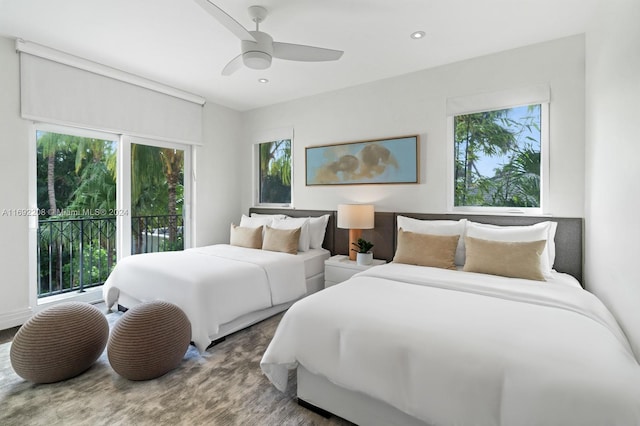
(354, 235)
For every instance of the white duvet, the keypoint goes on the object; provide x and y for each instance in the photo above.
(212, 285)
(459, 348)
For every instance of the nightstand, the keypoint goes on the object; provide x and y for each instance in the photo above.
(339, 268)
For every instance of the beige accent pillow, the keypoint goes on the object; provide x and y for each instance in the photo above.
(437, 227)
(294, 223)
(438, 251)
(284, 240)
(246, 237)
(508, 259)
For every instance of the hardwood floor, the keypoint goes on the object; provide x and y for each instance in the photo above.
(7, 335)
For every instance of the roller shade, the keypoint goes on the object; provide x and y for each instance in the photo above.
(538, 94)
(64, 89)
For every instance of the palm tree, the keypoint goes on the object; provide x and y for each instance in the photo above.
(156, 175)
(517, 183)
(511, 136)
(146, 177)
(479, 133)
(95, 163)
(275, 171)
(49, 144)
(173, 162)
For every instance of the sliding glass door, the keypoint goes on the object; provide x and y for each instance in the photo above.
(99, 197)
(76, 205)
(157, 198)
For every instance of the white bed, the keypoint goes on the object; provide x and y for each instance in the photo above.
(404, 344)
(454, 341)
(221, 288)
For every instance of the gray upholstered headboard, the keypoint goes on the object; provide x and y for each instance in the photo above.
(568, 235)
(329, 235)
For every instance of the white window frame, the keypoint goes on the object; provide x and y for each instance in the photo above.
(123, 238)
(491, 102)
(92, 294)
(266, 137)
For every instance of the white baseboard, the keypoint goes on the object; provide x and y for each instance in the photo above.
(91, 295)
(20, 316)
(14, 318)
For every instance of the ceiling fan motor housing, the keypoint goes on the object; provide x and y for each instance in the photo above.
(257, 54)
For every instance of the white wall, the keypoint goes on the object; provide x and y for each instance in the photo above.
(415, 103)
(14, 190)
(217, 175)
(216, 189)
(613, 150)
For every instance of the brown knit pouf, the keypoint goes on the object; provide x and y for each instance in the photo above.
(149, 340)
(59, 342)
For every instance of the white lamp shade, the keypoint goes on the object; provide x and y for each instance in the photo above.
(355, 216)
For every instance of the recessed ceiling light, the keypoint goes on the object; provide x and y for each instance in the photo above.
(263, 80)
(417, 35)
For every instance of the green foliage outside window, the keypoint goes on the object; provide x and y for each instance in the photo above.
(76, 179)
(275, 172)
(497, 158)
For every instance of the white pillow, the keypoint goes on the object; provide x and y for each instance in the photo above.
(539, 231)
(254, 222)
(293, 223)
(272, 216)
(437, 227)
(317, 229)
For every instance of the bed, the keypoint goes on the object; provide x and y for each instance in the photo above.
(416, 345)
(223, 288)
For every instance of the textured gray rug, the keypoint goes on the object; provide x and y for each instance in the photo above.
(225, 386)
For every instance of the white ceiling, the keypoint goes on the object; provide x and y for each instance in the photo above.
(177, 43)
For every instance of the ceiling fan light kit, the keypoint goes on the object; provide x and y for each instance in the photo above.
(256, 60)
(258, 48)
(257, 54)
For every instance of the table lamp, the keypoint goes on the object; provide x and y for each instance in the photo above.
(355, 218)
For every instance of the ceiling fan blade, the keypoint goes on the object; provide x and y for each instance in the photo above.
(300, 52)
(234, 65)
(226, 20)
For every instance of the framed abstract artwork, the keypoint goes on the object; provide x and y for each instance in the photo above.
(392, 160)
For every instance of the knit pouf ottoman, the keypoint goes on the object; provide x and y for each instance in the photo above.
(149, 340)
(59, 342)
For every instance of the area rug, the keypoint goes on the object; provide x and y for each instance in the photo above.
(224, 386)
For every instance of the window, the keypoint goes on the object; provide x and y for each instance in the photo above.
(497, 158)
(274, 172)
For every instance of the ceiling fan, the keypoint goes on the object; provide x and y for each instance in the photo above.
(258, 48)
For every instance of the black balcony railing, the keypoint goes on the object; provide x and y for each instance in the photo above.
(156, 233)
(78, 253)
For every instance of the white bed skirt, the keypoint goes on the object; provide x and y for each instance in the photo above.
(356, 407)
(314, 284)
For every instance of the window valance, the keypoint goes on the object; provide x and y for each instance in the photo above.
(64, 89)
(503, 99)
